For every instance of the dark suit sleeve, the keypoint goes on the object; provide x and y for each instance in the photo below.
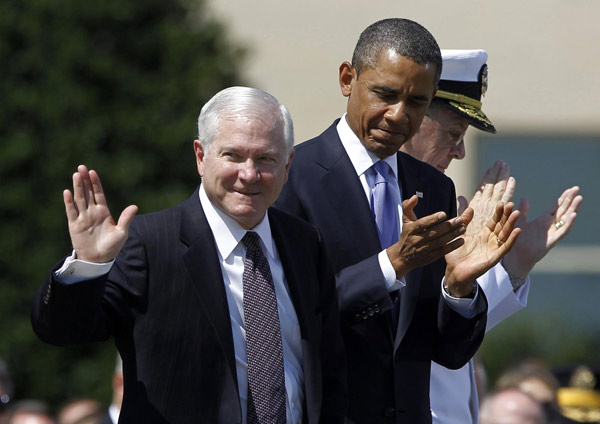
(360, 284)
(90, 310)
(458, 337)
(333, 355)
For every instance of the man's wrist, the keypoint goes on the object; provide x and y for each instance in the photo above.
(515, 281)
(470, 295)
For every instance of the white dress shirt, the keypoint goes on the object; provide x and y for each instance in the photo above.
(453, 393)
(232, 253)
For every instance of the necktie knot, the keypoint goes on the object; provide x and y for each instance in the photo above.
(251, 240)
(382, 169)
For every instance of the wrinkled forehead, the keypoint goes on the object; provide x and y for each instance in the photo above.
(251, 125)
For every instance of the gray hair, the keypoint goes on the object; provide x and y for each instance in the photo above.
(238, 101)
(403, 36)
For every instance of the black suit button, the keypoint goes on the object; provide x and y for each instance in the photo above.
(390, 412)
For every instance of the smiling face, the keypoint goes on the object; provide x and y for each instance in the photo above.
(387, 102)
(440, 139)
(244, 168)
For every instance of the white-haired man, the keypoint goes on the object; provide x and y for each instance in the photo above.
(223, 310)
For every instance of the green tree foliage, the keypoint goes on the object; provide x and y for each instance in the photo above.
(114, 84)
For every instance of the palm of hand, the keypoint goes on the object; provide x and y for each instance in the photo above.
(95, 236)
(479, 252)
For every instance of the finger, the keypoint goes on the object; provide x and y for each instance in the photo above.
(467, 215)
(87, 185)
(453, 245)
(500, 186)
(510, 242)
(70, 208)
(524, 209)
(422, 224)
(96, 187)
(565, 201)
(509, 192)
(126, 217)
(496, 218)
(508, 226)
(568, 220)
(491, 175)
(463, 204)
(444, 231)
(78, 193)
(574, 189)
(408, 205)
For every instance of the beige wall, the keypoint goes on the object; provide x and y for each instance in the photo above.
(544, 56)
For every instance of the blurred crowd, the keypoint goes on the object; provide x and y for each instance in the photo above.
(527, 393)
(14, 410)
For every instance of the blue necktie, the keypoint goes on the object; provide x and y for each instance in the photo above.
(383, 206)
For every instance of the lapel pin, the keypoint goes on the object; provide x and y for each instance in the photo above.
(419, 194)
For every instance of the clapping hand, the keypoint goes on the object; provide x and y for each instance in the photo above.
(481, 250)
(542, 234)
(94, 234)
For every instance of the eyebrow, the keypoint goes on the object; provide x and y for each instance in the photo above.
(389, 90)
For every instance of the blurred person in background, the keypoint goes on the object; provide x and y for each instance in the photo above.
(440, 139)
(80, 411)
(29, 412)
(6, 389)
(511, 406)
(112, 415)
(579, 392)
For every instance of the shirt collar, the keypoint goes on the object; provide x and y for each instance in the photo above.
(360, 157)
(228, 233)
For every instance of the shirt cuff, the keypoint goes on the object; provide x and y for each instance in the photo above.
(465, 306)
(75, 270)
(389, 273)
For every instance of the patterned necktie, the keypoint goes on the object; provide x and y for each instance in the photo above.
(266, 382)
(383, 207)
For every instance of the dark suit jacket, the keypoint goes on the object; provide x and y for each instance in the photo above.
(164, 303)
(388, 374)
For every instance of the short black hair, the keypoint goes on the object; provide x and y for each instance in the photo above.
(403, 36)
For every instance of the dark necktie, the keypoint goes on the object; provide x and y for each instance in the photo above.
(266, 382)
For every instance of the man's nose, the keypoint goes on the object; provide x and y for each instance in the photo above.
(458, 151)
(249, 172)
(397, 112)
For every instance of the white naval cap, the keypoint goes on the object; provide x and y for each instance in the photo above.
(463, 82)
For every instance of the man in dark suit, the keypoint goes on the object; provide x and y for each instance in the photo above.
(395, 318)
(176, 299)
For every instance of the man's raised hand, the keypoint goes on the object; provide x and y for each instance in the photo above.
(94, 234)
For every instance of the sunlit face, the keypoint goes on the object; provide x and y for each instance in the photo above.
(244, 168)
(386, 103)
(439, 139)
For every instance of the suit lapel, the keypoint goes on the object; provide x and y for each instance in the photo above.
(345, 192)
(204, 271)
(302, 295)
(411, 183)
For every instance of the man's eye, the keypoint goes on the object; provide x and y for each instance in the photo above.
(385, 96)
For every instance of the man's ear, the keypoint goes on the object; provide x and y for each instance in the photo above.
(347, 76)
(199, 153)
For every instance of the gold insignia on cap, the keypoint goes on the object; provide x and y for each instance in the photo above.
(484, 79)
